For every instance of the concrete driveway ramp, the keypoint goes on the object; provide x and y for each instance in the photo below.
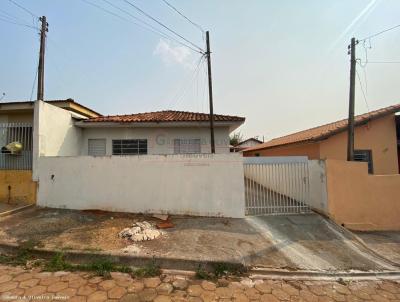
(310, 242)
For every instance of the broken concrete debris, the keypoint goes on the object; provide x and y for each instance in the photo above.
(140, 231)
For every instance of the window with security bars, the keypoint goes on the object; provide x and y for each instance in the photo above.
(97, 147)
(364, 156)
(129, 146)
(187, 146)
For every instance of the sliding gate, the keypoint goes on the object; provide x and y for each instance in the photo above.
(276, 185)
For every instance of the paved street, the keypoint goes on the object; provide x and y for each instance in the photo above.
(17, 284)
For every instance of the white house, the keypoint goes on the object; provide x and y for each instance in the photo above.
(161, 132)
(156, 162)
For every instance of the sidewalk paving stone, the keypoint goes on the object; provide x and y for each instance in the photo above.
(85, 287)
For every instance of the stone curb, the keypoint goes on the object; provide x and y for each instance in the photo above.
(76, 256)
(14, 211)
(261, 273)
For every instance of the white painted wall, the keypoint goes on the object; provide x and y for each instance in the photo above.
(318, 192)
(205, 185)
(54, 134)
(159, 140)
(57, 134)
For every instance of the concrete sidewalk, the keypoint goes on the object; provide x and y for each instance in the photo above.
(16, 283)
(296, 242)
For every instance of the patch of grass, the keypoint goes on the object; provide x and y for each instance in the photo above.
(23, 255)
(219, 270)
(57, 263)
(224, 269)
(203, 274)
(102, 267)
(149, 270)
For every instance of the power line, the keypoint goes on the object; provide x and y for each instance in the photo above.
(150, 27)
(10, 16)
(162, 24)
(105, 10)
(17, 23)
(381, 32)
(180, 13)
(362, 90)
(137, 24)
(24, 9)
(384, 62)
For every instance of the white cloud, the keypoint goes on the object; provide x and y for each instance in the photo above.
(173, 54)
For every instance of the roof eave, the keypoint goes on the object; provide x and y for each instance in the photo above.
(90, 124)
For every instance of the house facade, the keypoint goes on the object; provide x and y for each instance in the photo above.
(376, 142)
(70, 156)
(156, 133)
(16, 125)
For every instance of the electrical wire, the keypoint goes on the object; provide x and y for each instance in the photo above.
(384, 62)
(181, 14)
(10, 16)
(33, 15)
(17, 23)
(362, 90)
(34, 82)
(163, 25)
(181, 92)
(381, 32)
(24, 8)
(150, 27)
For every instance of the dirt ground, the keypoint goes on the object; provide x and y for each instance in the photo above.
(293, 242)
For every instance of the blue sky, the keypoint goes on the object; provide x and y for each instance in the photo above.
(281, 64)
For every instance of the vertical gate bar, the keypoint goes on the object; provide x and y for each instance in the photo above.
(251, 189)
(271, 195)
(291, 191)
(273, 189)
(307, 200)
(279, 187)
(302, 182)
(265, 189)
(258, 188)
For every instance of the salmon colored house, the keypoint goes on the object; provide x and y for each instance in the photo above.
(377, 141)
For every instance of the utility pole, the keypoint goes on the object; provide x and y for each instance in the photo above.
(210, 93)
(350, 129)
(44, 29)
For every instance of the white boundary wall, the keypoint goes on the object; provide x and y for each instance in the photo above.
(203, 185)
(54, 133)
(318, 192)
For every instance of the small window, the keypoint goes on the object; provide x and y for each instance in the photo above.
(187, 146)
(97, 147)
(129, 146)
(364, 156)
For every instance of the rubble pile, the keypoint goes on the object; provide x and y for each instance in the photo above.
(140, 231)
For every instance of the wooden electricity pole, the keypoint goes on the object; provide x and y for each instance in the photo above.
(210, 93)
(350, 129)
(44, 29)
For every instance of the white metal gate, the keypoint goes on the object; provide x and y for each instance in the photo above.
(276, 185)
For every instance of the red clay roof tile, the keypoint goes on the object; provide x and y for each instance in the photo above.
(324, 131)
(163, 116)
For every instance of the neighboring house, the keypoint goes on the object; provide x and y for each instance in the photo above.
(250, 142)
(161, 132)
(376, 141)
(16, 125)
